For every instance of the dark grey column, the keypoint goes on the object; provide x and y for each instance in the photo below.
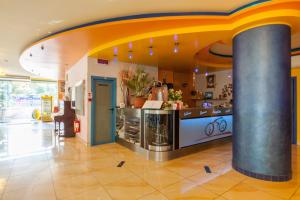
(262, 102)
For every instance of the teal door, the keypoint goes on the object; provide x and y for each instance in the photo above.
(103, 109)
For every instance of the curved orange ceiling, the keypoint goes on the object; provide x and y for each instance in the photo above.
(62, 50)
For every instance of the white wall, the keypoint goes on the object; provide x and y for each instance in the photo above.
(87, 67)
(222, 78)
(75, 74)
(113, 70)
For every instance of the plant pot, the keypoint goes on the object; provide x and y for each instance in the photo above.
(139, 102)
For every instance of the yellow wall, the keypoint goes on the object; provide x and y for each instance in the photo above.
(296, 73)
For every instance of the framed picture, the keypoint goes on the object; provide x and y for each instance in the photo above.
(208, 95)
(210, 81)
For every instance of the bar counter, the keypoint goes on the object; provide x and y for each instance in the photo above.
(167, 134)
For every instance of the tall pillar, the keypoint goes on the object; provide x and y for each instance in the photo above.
(262, 102)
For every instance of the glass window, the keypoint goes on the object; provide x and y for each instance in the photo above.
(19, 98)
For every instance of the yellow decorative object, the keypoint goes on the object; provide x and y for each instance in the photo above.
(46, 108)
(36, 114)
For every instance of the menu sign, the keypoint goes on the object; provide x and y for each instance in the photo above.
(152, 104)
(197, 112)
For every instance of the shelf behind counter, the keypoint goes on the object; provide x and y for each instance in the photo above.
(164, 131)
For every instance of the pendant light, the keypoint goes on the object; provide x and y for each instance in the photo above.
(115, 54)
(151, 51)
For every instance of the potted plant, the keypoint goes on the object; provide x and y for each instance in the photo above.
(138, 83)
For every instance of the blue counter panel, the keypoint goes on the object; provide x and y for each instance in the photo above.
(199, 130)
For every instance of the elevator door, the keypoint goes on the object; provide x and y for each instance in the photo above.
(104, 116)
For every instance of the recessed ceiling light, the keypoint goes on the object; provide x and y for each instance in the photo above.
(2, 73)
(55, 21)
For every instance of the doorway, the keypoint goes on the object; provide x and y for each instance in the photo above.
(294, 110)
(103, 110)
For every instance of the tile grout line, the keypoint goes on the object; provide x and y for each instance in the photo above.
(8, 178)
(271, 194)
(294, 192)
(103, 187)
(156, 190)
(154, 187)
(226, 190)
(52, 179)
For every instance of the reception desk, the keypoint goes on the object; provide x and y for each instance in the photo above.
(167, 134)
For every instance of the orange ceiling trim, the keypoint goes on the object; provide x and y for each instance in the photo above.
(69, 46)
(152, 16)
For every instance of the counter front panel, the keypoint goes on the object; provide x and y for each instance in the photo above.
(203, 125)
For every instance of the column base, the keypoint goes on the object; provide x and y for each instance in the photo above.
(281, 178)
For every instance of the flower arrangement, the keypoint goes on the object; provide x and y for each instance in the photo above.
(175, 95)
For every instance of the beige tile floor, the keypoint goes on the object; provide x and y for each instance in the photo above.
(70, 170)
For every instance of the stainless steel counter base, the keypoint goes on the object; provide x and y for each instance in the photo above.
(169, 155)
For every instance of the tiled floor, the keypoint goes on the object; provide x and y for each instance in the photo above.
(69, 170)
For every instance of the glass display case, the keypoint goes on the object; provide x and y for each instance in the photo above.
(132, 125)
(120, 122)
(158, 130)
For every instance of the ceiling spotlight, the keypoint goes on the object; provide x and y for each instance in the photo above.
(196, 70)
(175, 37)
(115, 58)
(116, 51)
(130, 55)
(115, 54)
(229, 76)
(206, 73)
(176, 48)
(130, 45)
(151, 51)
(151, 40)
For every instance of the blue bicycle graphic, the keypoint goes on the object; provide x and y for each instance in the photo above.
(218, 123)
